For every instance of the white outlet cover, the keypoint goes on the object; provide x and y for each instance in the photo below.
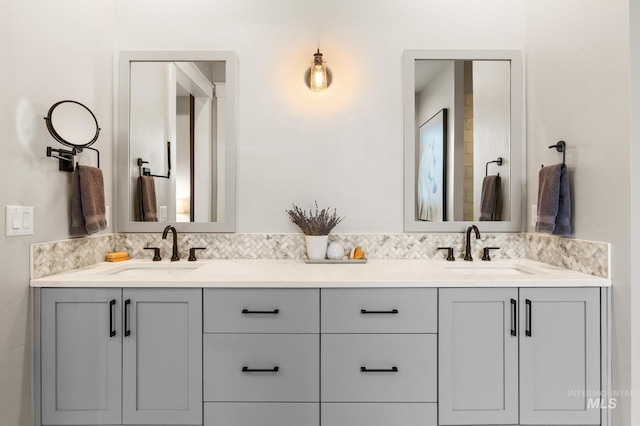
(534, 214)
(163, 214)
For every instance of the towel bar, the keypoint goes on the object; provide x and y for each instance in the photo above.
(486, 166)
(561, 146)
(146, 171)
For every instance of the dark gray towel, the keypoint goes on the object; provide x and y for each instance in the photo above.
(87, 201)
(145, 206)
(77, 219)
(563, 219)
(491, 200)
(554, 200)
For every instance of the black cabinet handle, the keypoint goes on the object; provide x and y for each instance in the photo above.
(514, 323)
(379, 370)
(112, 327)
(528, 324)
(274, 312)
(246, 369)
(127, 306)
(365, 311)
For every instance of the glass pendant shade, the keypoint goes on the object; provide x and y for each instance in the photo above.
(318, 80)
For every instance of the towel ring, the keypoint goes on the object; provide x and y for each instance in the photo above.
(561, 146)
(486, 166)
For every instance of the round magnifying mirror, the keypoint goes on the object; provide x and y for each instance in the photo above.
(72, 124)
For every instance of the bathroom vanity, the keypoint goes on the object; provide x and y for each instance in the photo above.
(281, 342)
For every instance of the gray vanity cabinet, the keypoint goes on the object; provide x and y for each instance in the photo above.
(559, 355)
(478, 356)
(81, 356)
(261, 357)
(162, 356)
(379, 357)
(114, 356)
(509, 356)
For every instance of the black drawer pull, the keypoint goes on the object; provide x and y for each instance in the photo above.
(527, 330)
(379, 370)
(365, 311)
(514, 315)
(112, 328)
(127, 306)
(274, 312)
(246, 369)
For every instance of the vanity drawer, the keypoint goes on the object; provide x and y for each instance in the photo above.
(289, 364)
(384, 414)
(401, 310)
(261, 414)
(261, 311)
(345, 355)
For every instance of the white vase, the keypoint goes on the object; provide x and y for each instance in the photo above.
(316, 246)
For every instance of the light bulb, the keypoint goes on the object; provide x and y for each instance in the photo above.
(318, 73)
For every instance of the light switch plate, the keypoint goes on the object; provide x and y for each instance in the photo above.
(534, 214)
(18, 220)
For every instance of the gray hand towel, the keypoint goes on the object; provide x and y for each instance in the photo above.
(563, 219)
(145, 206)
(77, 219)
(491, 199)
(87, 201)
(92, 196)
(554, 200)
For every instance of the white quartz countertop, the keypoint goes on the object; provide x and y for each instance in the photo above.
(233, 273)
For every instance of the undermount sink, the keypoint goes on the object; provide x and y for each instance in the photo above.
(489, 269)
(146, 270)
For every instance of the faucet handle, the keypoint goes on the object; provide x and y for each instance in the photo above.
(449, 250)
(156, 253)
(485, 252)
(192, 253)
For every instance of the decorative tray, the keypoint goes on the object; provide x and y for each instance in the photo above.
(335, 261)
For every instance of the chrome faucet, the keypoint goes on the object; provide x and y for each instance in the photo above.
(467, 249)
(174, 254)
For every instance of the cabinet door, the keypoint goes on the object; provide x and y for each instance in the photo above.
(478, 356)
(559, 355)
(81, 356)
(162, 356)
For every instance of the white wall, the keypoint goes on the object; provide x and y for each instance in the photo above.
(152, 125)
(342, 147)
(51, 51)
(491, 129)
(634, 234)
(578, 91)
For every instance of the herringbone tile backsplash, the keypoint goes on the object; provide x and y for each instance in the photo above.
(61, 256)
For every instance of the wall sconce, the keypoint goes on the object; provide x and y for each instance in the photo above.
(318, 76)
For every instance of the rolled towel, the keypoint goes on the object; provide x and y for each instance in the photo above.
(145, 206)
(491, 199)
(554, 200)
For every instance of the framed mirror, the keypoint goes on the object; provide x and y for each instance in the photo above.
(177, 141)
(464, 142)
